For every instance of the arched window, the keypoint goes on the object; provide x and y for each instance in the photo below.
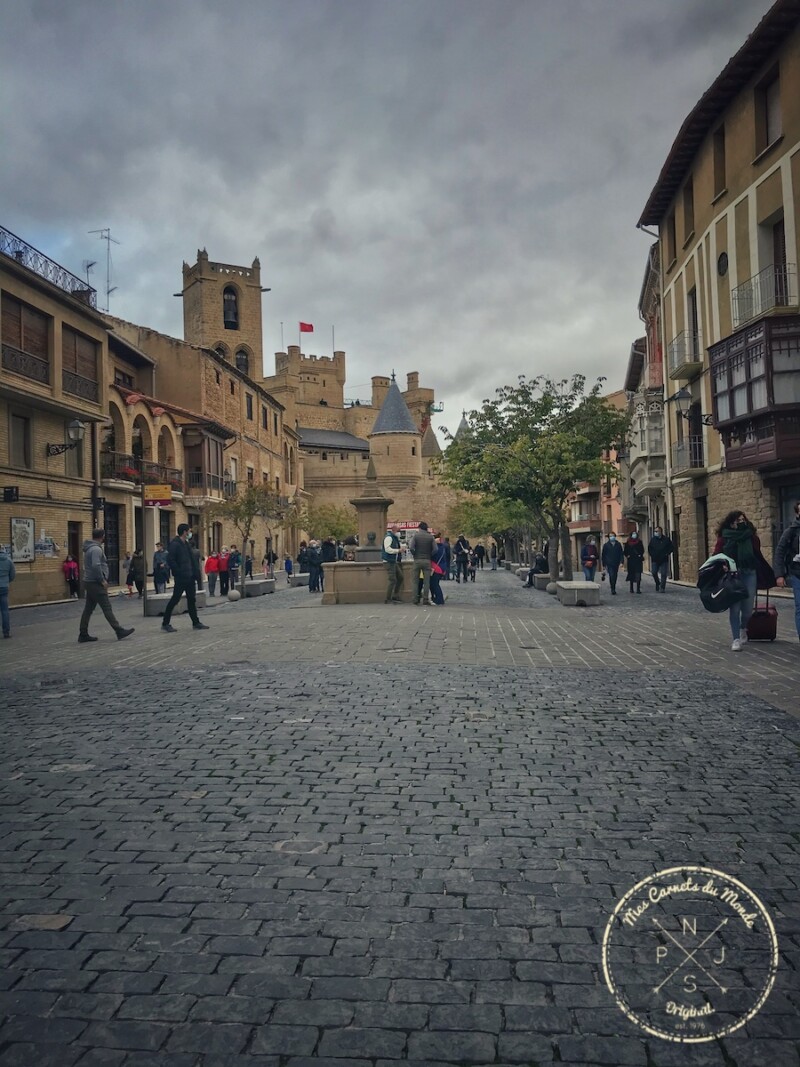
(230, 308)
(221, 351)
(242, 361)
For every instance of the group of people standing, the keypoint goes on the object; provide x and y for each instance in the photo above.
(631, 554)
(223, 566)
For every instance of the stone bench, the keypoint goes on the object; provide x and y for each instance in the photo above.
(541, 581)
(156, 602)
(578, 594)
(298, 579)
(259, 586)
(522, 573)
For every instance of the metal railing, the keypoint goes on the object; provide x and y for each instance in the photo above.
(201, 483)
(688, 454)
(76, 385)
(772, 287)
(45, 267)
(687, 347)
(120, 467)
(38, 370)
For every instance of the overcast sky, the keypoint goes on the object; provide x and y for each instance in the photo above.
(453, 184)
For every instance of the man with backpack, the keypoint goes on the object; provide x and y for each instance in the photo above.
(787, 561)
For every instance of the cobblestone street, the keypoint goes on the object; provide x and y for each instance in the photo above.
(364, 835)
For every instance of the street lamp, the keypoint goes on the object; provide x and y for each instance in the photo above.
(75, 433)
(683, 404)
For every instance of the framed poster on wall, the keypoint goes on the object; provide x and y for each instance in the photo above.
(22, 540)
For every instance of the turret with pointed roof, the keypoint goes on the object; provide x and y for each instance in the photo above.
(463, 427)
(395, 443)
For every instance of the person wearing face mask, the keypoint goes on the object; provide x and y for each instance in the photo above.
(787, 561)
(659, 550)
(737, 538)
(185, 568)
(634, 557)
(611, 558)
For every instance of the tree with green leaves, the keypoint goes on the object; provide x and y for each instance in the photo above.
(328, 521)
(503, 520)
(253, 503)
(532, 446)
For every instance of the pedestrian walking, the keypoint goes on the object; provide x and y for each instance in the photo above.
(787, 561)
(438, 561)
(480, 552)
(391, 554)
(472, 566)
(589, 559)
(421, 547)
(95, 585)
(448, 557)
(234, 565)
(611, 558)
(659, 550)
(493, 556)
(314, 567)
(248, 566)
(160, 568)
(288, 566)
(185, 570)
(137, 571)
(737, 538)
(462, 550)
(634, 561)
(212, 572)
(125, 571)
(8, 573)
(71, 576)
(224, 577)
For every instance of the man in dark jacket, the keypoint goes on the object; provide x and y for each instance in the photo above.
(314, 568)
(611, 557)
(422, 545)
(186, 573)
(787, 562)
(462, 551)
(659, 550)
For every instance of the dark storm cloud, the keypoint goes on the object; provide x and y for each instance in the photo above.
(453, 185)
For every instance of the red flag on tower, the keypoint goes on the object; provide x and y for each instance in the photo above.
(306, 327)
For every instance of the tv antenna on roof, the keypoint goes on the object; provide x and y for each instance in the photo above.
(87, 266)
(105, 235)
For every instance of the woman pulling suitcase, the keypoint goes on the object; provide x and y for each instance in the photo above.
(737, 538)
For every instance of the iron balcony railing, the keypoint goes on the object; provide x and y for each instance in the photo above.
(117, 466)
(201, 483)
(688, 454)
(38, 370)
(773, 287)
(76, 385)
(687, 347)
(45, 267)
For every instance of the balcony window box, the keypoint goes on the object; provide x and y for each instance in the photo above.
(755, 376)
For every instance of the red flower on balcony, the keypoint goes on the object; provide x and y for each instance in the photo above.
(127, 474)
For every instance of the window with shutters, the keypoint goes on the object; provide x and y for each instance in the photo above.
(769, 123)
(19, 446)
(79, 364)
(26, 339)
(73, 457)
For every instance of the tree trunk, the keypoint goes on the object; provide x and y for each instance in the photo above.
(566, 550)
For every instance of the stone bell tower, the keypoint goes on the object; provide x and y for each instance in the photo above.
(222, 310)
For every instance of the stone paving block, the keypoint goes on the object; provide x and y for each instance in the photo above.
(530, 1048)
(360, 1043)
(125, 1035)
(25, 1054)
(614, 1051)
(473, 1047)
(284, 1040)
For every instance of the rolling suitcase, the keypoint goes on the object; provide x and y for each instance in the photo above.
(763, 625)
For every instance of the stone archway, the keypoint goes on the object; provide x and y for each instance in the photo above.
(142, 439)
(114, 437)
(167, 448)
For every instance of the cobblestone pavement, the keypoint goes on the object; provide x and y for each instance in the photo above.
(350, 836)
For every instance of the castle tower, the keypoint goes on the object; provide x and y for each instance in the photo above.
(222, 310)
(395, 443)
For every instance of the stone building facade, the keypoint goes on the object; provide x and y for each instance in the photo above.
(726, 208)
(338, 436)
(54, 375)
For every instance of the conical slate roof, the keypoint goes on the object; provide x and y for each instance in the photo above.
(394, 416)
(463, 427)
(430, 446)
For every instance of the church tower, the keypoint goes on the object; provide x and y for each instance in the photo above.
(222, 310)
